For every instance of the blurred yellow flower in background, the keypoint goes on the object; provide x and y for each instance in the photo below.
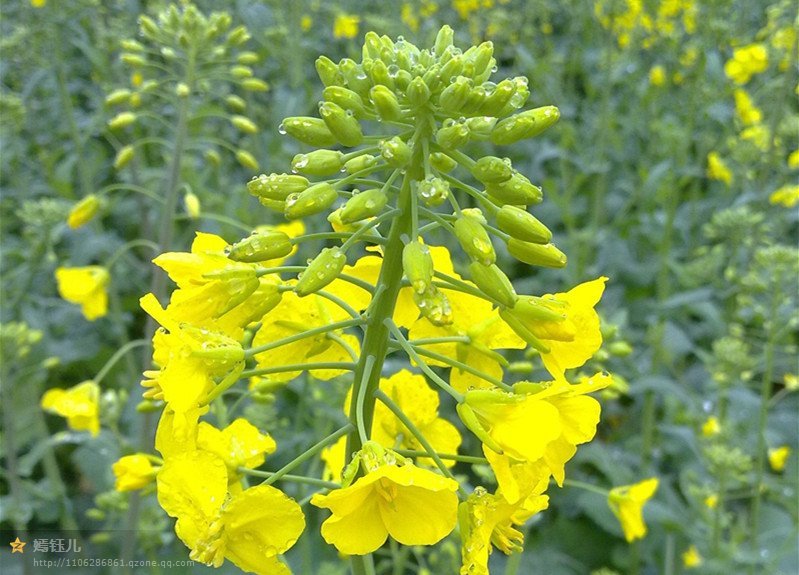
(627, 503)
(78, 404)
(711, 427)
(657, 75)
(717, 169)
(346, 26)
(787, 196)
(746, 62)
(778, 457)
(745, 108)
(83, 212)
(85, 286)
(691, 558)
(133, 472)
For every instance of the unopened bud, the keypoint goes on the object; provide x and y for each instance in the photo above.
(443, 41)
(363, 205)
(254, 85)
(328, 71)
(244, 124)
(315, 199)
(278, 206)
(213, 157)
(247, 160)
(121, 120)
(261, 246)
(192, 203)
(531, 310)
(499, 97)
(492, 170)
(359, 163)
(148, 406)
(480, 127)
(517, 191)
(182, 90)
(318, 162)
(148, 27)
(546, 255)
(385, 103)
(474, 240)
(135, 60)
(117, 97)
(277, 186)
(357, 80)
(452, 67)
(525, 125)
(241, 72)
(248, 58)
(417, 93)
(395, 152)
(417, 264)
(493, 282)
(238, 36)
(454, 96)
(345, 98)
(380, 74)
(308, 130)
(452, 135)
(124, 156)
(434, 306)
(83, 212)
(236, 103)
(522, 225)
(442, 162)
(480, 57)
(324, 268)
(343, 125)
(433, 191)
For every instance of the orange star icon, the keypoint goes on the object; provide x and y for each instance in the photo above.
(17, 546)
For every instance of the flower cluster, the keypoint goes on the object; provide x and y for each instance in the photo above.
(240, 312)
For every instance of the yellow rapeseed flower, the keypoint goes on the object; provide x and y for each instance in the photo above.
(346, 26)
(250, 528)
(717, 169)
(85, 286)
(487, 519)
(306, 22)
(745, 108)
(414, 506)
(711, 427)
(691, 558)
(133, 472)
(409, 16)
(711, 501)
(790, 380)
(787, 196)
(759, 135)
(793, 160)
(657, 75)
(627, 503)
(78, 404)
(778, 457)
(38, 3)
(746, 62)
(240, 444)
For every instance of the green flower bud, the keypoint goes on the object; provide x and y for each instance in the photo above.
(434, 306)
(148, 27)
(363, 205)
(315, 199)
(452, 134)
(247, 160)
(278, 206)
(403, 80)
(235, 103)
(261, 246)
(324, 268)
(454, 96)
(95, 514)
(546, 255)
(480, 57)
(525, 125)
(522, 225)
(135, 60)
(308, 130)
(417, 93)
(148, 406)
(519, 328)
(345, 98)
(318, 162)
(417, 264)
(192, 204)
(492, 170)
(343, 125)
(328, 71)
(451, 68)
(359, 163)
(443, 41)
(117, 97)
(432, 78)
(83, 212)
(395, 152)
(372, 46)
(474, 240)
(121, 120)
(277, 186)
(493, 282)
(496, 101)
(433, 191)
(357, 80)
(385, 103)
(213, 157)
(254, 85)
(380, 75)
(131, 45)
(248, 58)
(124, 156)
(244, 124)
(241, 72)
(182, 90)
(517, 191)
(474, 100)
(480, 127)
(238, 36)
(442, 162)
(529, 310)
